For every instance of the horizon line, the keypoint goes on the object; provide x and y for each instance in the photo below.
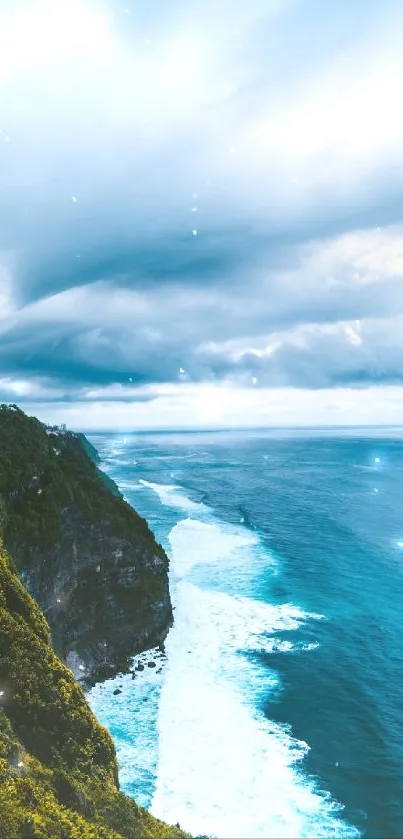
(250, 428)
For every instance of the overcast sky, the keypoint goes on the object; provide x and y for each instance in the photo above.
(201, 211)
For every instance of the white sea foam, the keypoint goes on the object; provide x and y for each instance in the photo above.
(313, 646)
(202, 538)
(172, 496)
(194, 542)
(131, 717)
(133, 486)
(223, 768)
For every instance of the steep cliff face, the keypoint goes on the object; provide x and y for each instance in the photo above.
(58, 769)
(89, 560)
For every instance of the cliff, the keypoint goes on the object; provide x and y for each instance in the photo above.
(58, 770)
(88, 559)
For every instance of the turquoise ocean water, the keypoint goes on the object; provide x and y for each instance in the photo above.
(278, 709)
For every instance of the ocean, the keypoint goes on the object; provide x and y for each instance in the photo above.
(277, 710)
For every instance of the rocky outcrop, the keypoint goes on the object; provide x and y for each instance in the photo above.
(89, 560)
(106, 597)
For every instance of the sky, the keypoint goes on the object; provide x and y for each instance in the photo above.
(201, 212)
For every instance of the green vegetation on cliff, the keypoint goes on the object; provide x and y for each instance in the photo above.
(89, 560)
(93, 565)
(58, 769)
(44, 470)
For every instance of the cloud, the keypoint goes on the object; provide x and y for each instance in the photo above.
(334, 317)
(272, 129)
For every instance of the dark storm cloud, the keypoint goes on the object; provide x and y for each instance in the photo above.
(91, 251)
(87, 337)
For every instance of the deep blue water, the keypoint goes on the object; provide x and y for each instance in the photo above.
(279, 708)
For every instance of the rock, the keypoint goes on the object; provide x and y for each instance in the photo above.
(151, 664)
(140, 667)
(116, 692)
(127, 606)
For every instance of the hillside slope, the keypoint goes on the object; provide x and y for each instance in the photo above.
(89, 560)
(58, 770)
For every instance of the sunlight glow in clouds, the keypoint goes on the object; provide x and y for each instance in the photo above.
(201, 214)
(34, 35)
(223, 406)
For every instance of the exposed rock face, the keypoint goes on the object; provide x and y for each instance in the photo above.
(87, 558)
(102, 617)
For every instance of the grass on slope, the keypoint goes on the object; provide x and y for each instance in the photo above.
(44, 471)
(58, 769)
